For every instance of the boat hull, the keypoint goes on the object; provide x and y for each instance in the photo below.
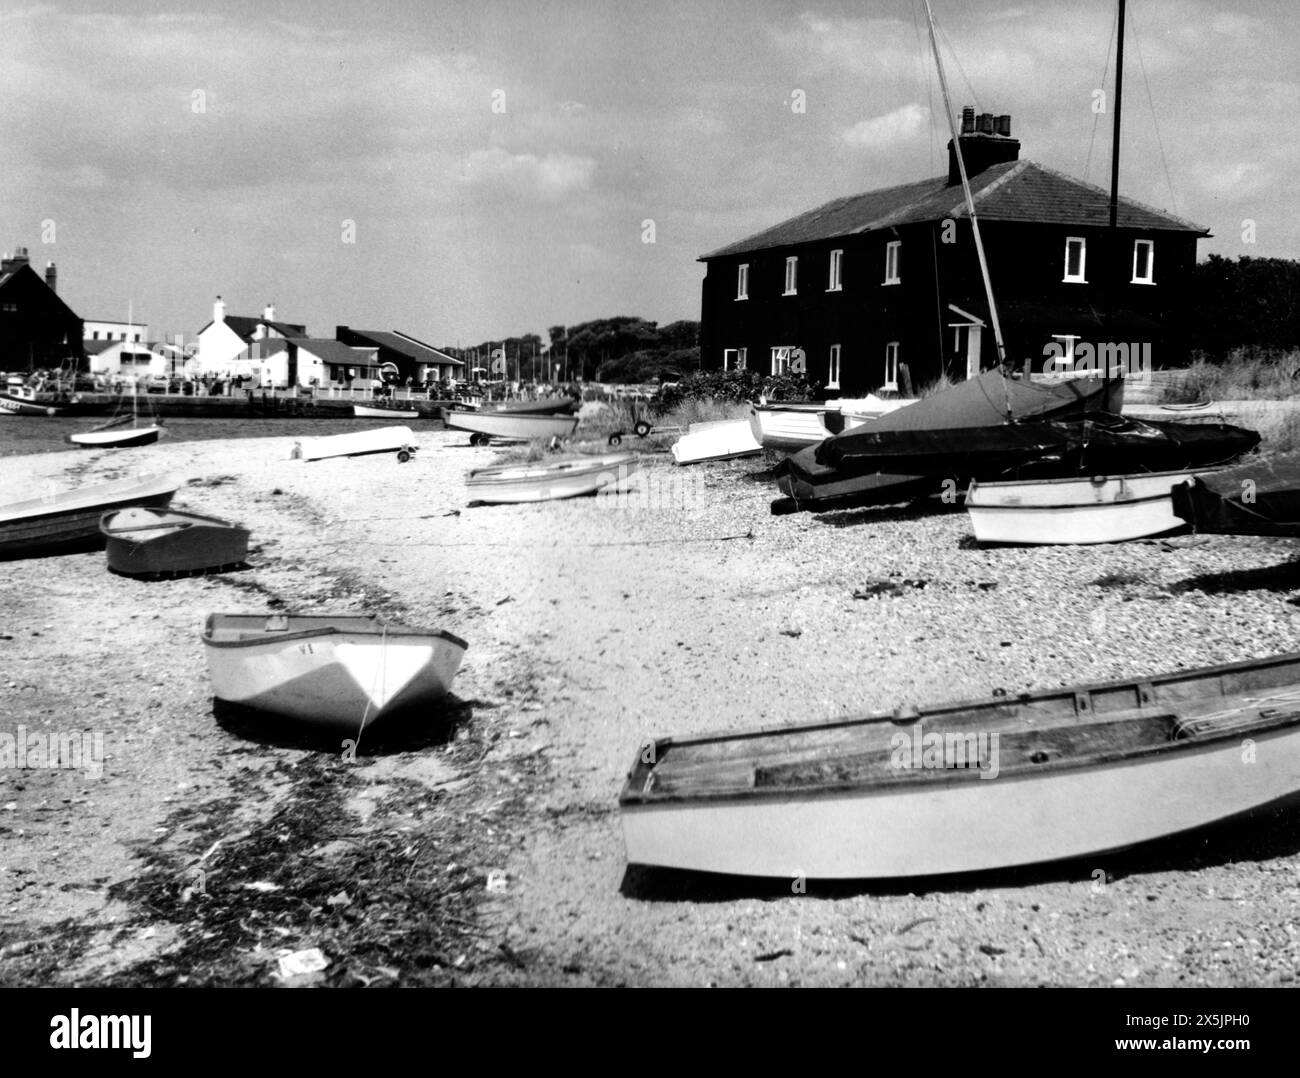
(70, 520)
(1259, 497)
(148, 542)
(1036, 778)
(116, 439)
(512, 484)
(361, 411)
(337, 674)
(513, 426)
(11, 405)
(1102, 509)
(358, 443)
(716, 441)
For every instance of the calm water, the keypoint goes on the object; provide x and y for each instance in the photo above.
(41, 434)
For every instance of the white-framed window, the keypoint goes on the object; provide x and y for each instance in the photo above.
(742, 281)
(734, 359)
(1076, 259)
(781, 358)
(792, 275)
(833, 368)
(1144, 262)
(893, 250)
(891, 366)
(833, 278)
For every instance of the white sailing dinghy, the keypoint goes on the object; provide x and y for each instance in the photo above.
(1100, 509)
(337, 673)
(551, 480)
(123, 432)
(1015, 780)
(510, 425)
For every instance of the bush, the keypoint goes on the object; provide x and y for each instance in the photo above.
(734, 387)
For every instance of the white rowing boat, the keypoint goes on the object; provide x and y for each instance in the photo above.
(337, 673)
(1100, 509)
(552, 480)
(366, 411)
(510, 425)
(399, 440)
(69, 519)
(1028, 779)
(716, 441)
(790, 427)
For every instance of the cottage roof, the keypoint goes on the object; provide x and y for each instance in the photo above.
(245, 327)
(1020, 191)
(331, 351)
(408, 346)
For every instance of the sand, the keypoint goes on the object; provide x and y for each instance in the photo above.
(593, 626)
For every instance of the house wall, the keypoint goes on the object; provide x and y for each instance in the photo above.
(1026, 267)
(219, 347)
(37, 329)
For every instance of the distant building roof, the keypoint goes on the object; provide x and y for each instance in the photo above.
(245, 327)
(408, 346)
(1012, 191)
(332, 351)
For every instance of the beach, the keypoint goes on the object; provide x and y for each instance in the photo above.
(486, 849)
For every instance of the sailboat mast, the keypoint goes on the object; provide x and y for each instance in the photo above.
(965, 186)
(1114, 172)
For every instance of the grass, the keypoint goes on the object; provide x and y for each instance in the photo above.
(1246, 374)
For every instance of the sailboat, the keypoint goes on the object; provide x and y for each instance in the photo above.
(115, 434)
(1085, 509)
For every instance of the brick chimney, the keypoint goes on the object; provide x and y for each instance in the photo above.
(985, 140)
(16, 261)
(51, 277)
(268, 314)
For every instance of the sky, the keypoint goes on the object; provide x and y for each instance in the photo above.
(466, 170)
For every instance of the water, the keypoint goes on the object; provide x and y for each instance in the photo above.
(40, 434)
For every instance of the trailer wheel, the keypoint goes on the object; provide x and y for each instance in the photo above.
(642, 428)
(616, 439)
(403, 455)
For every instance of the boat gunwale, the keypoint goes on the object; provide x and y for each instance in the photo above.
(191, 520)
(1036, 507)
(380, 631)
(150, 486)
(1268, 729)
(565, 468)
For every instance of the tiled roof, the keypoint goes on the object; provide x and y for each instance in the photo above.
(336, 352)
(246, 327)
(408, 346)
(1013, 191)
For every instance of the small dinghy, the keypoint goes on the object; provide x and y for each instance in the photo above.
(156, 542)
(399, 440)
(1259, 497)
(69, 520)
(570, 478)
(1015, 780)
(368, 411)
(716, 441)
(513, 425)
(340, 674)
(1100, 509)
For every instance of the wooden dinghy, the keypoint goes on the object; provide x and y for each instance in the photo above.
(70, 519)
(725, 440)
(368, 411)
(336, 673)
(1100, 509)
(1258, 497)
(1016, 780)
(155, 542)
(511, 425)
(551, 480)
(399, 440)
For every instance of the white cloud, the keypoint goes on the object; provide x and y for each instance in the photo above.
(903, 124)
(547, 179)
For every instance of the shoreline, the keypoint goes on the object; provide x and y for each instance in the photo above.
(593, 626)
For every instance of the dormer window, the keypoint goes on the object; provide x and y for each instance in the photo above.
(792, 275)
(742, 281)
(1076, 258)
(833, 279)
(1144, 262)
(892, 250)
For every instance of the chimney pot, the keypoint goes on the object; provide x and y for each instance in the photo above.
(1004, 126)
(51, 276)
(986, 123)
(967, 120)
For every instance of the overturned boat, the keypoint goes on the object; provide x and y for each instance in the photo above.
(1015, 780)
(1257, 497)
(726, 439)
(399, 440)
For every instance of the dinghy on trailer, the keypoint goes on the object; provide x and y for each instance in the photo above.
(399, 440)
(513, 426)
